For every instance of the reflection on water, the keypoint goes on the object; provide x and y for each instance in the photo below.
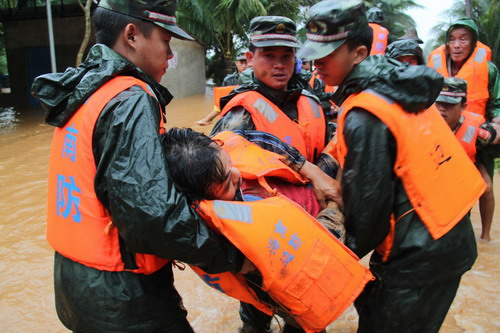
(26, 264)
(9, 118)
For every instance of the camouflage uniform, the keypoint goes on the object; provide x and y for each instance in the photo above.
(159, 12)
(454, 92)
(375, 15)
(264, 31)
(232, 79)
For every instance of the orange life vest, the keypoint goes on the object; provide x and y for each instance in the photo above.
(486, 48)
(330, 88)
(441, 182)
(327, 89)
(254, 162)
(314, 76)
(305, 269)
(307, 135)
(468, 131)
(78, 225)
(220, 92)
(331, 148)
(474, 71)
(380, 36)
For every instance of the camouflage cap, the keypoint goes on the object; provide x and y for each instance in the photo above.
(375, 15)
(160, 12)
(405, 47)
(330, 23)
(273, 31)
(241, 55)
(454, 89)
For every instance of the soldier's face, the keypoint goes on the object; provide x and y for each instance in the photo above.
(153, 52)
(241, 65)
(460, 44)
(409, 59)
(273, 65)
(450, 112)
(334, 68)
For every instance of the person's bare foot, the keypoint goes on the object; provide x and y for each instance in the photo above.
(203, 122)
(485, 238)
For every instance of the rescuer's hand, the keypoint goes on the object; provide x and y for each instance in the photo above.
(325, 187)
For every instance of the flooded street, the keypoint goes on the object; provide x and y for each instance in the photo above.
(26, 264)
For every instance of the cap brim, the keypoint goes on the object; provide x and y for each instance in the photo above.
(276, 42)
(317, 50)
(448, 99)
(175, 31)
(405, 54)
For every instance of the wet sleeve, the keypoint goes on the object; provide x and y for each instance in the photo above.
(493, 104)
(291, 156)
(133, 183)
(327, 164)
(238, 118)
(368, 181)
(486, 135)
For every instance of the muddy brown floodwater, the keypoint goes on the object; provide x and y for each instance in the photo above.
(26, 260)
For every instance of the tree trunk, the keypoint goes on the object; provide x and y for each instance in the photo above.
(85, 42)
(228, 63)
(468, 8)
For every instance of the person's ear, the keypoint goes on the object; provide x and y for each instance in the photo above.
(130, 34)
(361, 53)
(249, 56)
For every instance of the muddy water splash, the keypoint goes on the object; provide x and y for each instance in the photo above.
(26, 260)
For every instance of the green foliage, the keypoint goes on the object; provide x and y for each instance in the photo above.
(3, 53)
(215, 68)
(396, 20)
(221, 25)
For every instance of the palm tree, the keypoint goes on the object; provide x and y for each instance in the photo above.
(396, 20)
(221, 25)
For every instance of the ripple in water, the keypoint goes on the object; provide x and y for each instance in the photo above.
(9, 119)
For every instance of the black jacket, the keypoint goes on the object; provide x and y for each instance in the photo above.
(133, 183)
(372, 192)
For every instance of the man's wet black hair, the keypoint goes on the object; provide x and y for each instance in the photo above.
(109, 24)
(365, 38)
(194, 162)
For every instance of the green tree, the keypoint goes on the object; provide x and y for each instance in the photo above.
(88, 24)
(3, 53)
(221, 25)
(396, 20)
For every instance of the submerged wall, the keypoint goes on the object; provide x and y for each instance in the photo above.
(28, 54)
